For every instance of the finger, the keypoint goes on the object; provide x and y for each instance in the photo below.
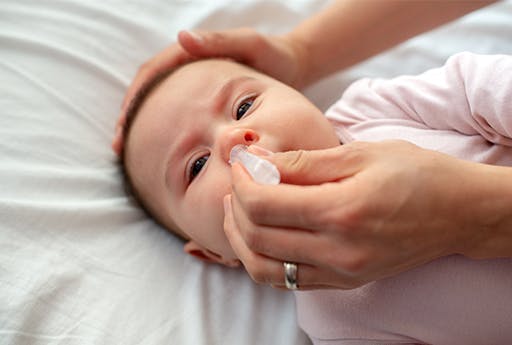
(319, 166)
(265, 270)
(283, 244)
(238, 44)
(261, 269)
(312, 208)
(317, 249)
(192, 42)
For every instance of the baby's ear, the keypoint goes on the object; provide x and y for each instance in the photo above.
(200, 252)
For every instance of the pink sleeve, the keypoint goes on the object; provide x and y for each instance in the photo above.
(470, 94)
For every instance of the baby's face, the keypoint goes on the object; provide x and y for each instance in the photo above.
(179, 145)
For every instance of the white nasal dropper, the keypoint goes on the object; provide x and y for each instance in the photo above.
(261, 170)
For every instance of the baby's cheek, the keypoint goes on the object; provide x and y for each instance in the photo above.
(213, 199)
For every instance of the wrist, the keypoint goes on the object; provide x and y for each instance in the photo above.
(489, 213)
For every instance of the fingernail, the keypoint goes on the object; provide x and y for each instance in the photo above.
(197, 37)
(260, 151)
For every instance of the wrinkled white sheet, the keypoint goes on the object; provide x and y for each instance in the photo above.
(79, 263)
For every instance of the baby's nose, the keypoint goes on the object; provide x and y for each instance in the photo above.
(250, 137)
(237, 136)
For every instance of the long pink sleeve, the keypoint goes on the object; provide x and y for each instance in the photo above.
(470, 95)
(463, 109)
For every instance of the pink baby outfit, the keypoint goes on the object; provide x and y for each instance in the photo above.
(463, 109)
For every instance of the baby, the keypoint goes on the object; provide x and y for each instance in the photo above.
(182, 127)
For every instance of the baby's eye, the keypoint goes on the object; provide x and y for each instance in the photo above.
(196, 167)
(244, 107)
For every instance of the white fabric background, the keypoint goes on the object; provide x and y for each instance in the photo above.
(79, 263)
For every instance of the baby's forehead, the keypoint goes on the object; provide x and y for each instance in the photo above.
(198, 80)
(215, 67)
(189, 88)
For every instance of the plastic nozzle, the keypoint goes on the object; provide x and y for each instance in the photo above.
(261, 170)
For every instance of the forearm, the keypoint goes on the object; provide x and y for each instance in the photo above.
(349, 31)
(488, 211)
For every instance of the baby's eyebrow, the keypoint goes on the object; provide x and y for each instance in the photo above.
(221, 95)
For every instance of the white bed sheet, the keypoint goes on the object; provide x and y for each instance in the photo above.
(79, 263)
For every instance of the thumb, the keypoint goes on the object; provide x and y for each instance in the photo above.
(317, 166)
(237, 44)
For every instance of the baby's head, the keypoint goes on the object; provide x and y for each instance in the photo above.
(180, 133)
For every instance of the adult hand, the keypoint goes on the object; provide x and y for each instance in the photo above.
(351, 214)
(278, 56)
